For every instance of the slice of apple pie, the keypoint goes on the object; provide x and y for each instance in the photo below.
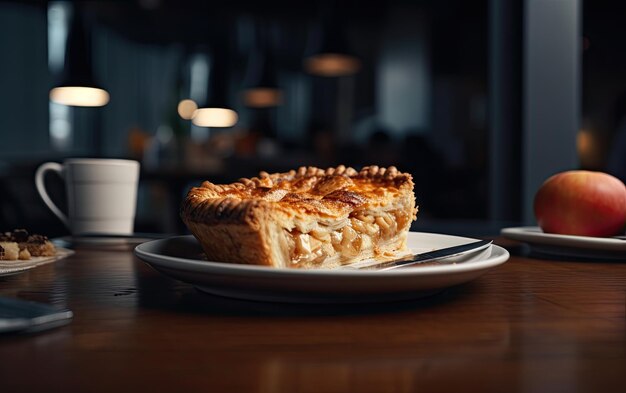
(309, 218)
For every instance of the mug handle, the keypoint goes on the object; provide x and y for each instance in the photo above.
(41, 188)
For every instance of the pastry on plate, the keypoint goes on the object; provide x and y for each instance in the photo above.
(9, 251)
(29, 245)
(305, 218)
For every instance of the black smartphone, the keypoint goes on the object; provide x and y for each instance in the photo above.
(18, 315)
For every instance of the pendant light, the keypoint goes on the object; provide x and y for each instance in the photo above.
(328, 52)
(216, 112)
(262, 87)
(188, 103)
(78, 87)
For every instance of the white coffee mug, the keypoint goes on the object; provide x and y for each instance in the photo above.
(101, 193)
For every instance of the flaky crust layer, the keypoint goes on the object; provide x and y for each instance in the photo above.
(242, 222)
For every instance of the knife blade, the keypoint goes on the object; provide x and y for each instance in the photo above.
(415, 259)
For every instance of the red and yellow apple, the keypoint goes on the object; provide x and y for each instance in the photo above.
(583, 203)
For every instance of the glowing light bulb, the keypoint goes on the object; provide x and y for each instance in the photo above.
(262, 97)
(332, 64)
(79, 96)
(186, 108)
(215, 117)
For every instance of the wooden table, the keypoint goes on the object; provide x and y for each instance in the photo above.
(530, 325)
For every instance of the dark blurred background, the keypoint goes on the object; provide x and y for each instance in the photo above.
(441, 89)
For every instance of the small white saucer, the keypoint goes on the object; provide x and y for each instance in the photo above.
(114, 241)
(611, 248)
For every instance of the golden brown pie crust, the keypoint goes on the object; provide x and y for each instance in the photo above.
(256, 221)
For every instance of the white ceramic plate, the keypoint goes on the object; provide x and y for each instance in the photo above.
(9, 268)
(181, 258)
(106, 241)
(567, 245)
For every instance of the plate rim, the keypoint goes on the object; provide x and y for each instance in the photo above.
(61, 253)
(533, 234)
(498, 256)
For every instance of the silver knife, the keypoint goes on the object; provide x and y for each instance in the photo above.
(415, 259)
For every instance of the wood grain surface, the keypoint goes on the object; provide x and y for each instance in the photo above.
(530, 325)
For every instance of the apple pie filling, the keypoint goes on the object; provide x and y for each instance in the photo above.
(362, 233)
